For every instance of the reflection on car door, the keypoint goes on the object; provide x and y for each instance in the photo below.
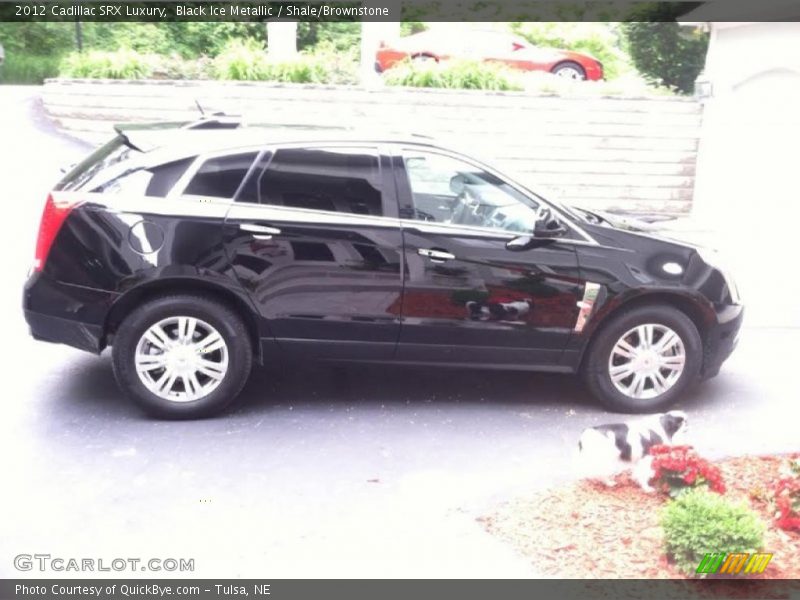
(312, 240)
(466, 298)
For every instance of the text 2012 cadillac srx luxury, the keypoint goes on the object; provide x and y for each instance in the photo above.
(196, 252)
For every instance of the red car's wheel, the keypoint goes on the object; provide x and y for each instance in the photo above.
(424, 58)
(569, 70)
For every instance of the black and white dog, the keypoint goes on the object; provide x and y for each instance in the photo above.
(498, 311)
(605, 450)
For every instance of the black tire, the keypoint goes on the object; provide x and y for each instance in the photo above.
(223, 319)
(596, 363)
(569, 65)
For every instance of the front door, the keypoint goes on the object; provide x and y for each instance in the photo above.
(312, 240)
(468, 299)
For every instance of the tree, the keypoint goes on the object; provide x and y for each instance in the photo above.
(666, 52)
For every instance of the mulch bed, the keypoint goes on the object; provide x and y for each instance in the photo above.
(586, 529)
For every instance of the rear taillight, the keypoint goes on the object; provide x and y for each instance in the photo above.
(53, 217)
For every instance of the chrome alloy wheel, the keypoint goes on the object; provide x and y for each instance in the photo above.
(181, 359)
(647, 361)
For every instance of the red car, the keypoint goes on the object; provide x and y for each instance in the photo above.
(498, 47)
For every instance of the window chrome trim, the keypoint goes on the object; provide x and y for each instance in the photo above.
(392, 148)
(247, 211)
(179, 189)
(482, 232)
(398, 150)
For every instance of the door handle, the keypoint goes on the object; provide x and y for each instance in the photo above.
(437, 256)
(260, 232)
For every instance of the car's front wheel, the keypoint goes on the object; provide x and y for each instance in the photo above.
(182, 356)
(644, 359)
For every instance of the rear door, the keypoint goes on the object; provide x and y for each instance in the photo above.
(315, 240)
(467, 298)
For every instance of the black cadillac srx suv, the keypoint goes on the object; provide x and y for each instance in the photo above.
(195, 252)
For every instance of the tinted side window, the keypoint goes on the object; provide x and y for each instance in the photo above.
(221, 176)
(331, 179)
(449, 190)
(154, 181)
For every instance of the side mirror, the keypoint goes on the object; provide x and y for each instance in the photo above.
(526, 242)
(550, 229)
(546, 225)
(523, 242)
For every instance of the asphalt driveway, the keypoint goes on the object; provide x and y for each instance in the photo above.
(321, 472)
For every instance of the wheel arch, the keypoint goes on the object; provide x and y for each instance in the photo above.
(424, 54)
(150, 290)
(700, 313)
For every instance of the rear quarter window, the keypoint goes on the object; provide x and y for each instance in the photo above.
(155, 181)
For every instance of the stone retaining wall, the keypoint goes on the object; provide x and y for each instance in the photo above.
(632, 154)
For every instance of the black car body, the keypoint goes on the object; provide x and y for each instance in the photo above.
(351, 249)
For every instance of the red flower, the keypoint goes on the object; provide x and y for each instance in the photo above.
(787, 501)
(680, 466)
(690, 477)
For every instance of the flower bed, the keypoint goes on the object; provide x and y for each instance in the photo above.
(588, 530)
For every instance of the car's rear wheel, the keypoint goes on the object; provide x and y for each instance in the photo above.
(182, 357)
(644, 359)
(570, 70)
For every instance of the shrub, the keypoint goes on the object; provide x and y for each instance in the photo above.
(412, 27)
(174, 67)
(787, 498)
(699, 522)
(247, 60)
(243, 60)
(344, 36)
(25, 69)
(120, 64)
(465, 75)
(677, 468)
(667, 53)
(338, 66)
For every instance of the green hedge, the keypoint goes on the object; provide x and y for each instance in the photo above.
(98, 64)
(239, 60)
(22, 69)
(248, 60)
(464, 75)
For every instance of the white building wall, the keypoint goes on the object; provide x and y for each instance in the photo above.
(748, 169)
